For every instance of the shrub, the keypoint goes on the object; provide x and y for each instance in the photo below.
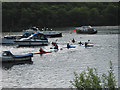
(90, 79)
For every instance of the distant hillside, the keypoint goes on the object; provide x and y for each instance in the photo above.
(21, 15)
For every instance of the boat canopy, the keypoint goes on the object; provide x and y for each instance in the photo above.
(37, 33)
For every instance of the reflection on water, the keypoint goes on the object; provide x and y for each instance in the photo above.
(8, 65)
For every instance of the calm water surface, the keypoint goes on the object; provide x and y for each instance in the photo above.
(55, 70)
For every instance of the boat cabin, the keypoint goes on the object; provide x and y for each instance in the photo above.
(38, 36)
(35, 36)
(7, 53)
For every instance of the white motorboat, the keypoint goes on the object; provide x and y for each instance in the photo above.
(47, 32)
(9, 39)
(36, 39)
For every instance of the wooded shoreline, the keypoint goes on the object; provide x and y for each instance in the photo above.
(17, 16)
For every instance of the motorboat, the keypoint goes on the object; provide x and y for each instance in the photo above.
(86, 30)
(47, 32)
(37, 39)
(7, 56)
(26, 34)
(9, 39)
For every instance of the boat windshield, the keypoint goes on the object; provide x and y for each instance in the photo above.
(86, 27)
(37, 36)
(30, 37)
(6, 53)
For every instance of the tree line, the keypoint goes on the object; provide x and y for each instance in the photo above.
(17, 16)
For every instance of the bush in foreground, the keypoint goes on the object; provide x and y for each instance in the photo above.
(90, 79)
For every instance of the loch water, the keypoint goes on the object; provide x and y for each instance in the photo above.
(55, 70)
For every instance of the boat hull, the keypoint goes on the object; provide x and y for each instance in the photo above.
(15, 58)
(7, 41)
(53, 35)
(32, 43)
(14, 36)
(85, 32)
(11, 59)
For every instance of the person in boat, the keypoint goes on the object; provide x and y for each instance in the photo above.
(73, 40)
(41, 50)
(53, 43)
(68, 45)
(56, 46)
(80, 43)
(86, 43)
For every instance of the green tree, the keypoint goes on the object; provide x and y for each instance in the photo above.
(20, 15)
(111, 14)
(94, 16)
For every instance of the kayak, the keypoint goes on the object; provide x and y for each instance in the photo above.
(71, 47)
(53, 48)
(89, 45)
(72, 41)
(42, 52)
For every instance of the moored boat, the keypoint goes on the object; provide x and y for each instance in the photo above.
(26, 34)
(7, 56)
(45, 31)
(36, 39)
(9, 39)
(86, 30)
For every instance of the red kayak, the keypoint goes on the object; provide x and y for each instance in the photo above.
(42, 52)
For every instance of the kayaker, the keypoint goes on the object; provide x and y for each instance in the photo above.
(53, 43)
(56, 46)
(73, 40)
(41, 50)
(86, 44)
(88, 41)
(80, 43)
(68, 45)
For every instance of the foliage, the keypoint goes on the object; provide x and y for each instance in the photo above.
(21, 15)
(90, 79)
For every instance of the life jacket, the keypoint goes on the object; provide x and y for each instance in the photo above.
(68, 46)
(53, 43)
(86, 43)
(56, 47)
(73, 40)
(80, 42)
(41, 50)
